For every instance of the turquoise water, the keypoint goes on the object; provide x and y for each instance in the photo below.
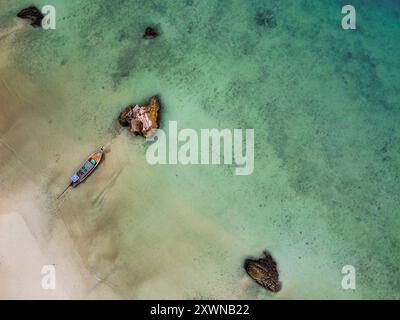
(324, 103)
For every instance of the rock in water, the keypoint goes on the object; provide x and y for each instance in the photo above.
(266, 19)
(142, 120)
(150, 33)
(33, 14)
(264, 272)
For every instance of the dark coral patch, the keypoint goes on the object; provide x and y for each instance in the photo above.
(266, 18)
(33, 14)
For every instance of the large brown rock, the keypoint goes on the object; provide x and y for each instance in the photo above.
(264, 272)
(142, 120)
(33, 14)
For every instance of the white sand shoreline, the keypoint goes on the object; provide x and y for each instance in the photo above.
(24, 252)
(31, 235)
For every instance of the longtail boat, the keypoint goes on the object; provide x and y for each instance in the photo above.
(85, 169)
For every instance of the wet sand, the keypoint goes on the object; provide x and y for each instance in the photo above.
(32, 233)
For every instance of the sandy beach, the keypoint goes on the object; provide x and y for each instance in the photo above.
(31, 233)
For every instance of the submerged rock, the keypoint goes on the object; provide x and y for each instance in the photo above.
(150, 33)
(142, 120)
(266, 19)
(264, 272)
(33, 14)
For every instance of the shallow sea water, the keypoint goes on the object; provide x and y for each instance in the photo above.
(324, 104)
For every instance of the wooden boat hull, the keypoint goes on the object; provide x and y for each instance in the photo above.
(87, 168)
